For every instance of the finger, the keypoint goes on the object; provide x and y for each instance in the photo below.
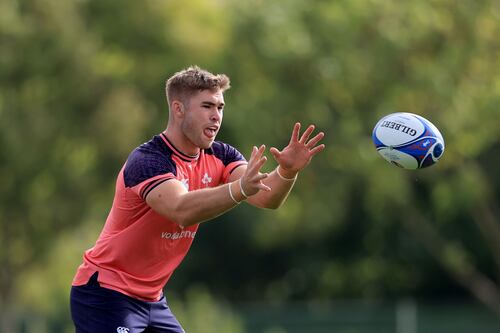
(260, 163)
(317, 149)
(276, 153)
(252, 156)
(255, 167)
(261, 176)
(260, 151)
(264, 187)
(258, 157)
(257, 152)
(306, 134)
(254, 151)
(295, 133)
(315, 140)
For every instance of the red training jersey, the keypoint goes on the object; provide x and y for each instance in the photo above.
(138, 249)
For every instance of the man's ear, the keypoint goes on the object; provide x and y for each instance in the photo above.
(178, 108)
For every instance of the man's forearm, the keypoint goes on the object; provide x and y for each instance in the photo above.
(280, 185)
(205, 204)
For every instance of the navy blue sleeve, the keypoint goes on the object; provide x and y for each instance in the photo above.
(226, 153)
(143, 164)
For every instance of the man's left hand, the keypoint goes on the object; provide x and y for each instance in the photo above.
(299, 151)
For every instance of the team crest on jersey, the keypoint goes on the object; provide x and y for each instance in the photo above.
(206, 179)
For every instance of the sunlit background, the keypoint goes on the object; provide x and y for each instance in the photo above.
(360, 246)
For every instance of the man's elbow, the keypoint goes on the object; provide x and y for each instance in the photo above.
(182, 218)
(266, 204)
(275, 206)
(272, 205)
(175, 213)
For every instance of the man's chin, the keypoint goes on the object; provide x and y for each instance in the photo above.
(207, 145)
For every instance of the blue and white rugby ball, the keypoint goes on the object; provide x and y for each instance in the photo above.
(408, 140)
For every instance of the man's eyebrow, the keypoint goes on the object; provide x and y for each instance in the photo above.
(212, 103)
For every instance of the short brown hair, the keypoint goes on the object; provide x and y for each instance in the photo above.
(191, 80)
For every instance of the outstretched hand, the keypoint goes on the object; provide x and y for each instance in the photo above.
(251, 181)
(299, 151)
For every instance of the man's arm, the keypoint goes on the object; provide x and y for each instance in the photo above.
(172, 200)
(291, 160)
(280, 188)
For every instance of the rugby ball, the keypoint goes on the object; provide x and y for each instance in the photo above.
(408, 140)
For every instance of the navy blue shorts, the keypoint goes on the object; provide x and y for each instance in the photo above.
(95, 309)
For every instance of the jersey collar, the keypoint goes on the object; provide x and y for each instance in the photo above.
(181, 155)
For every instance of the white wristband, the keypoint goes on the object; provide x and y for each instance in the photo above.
(232, 196)
(241, 190)
(284, 178)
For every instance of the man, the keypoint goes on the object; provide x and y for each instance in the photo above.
(165, 189)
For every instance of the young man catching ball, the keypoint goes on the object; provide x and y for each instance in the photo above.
(167, 186)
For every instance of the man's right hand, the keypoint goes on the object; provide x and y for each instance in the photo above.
(251, 181)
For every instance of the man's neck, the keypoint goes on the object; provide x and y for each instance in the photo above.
(181, 142)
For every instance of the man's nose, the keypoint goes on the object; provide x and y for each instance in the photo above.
(216, 115)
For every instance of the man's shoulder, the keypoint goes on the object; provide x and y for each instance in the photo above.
(148, 160)
(153, 147)
(151, 151)
(224, 152)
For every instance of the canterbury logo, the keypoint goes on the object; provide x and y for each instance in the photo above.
(122, 329)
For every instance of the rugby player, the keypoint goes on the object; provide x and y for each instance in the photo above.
(165, 189)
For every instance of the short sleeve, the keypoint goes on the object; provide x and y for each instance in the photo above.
(230, 157)
(145, 170)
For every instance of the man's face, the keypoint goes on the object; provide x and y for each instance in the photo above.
(203, 117)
